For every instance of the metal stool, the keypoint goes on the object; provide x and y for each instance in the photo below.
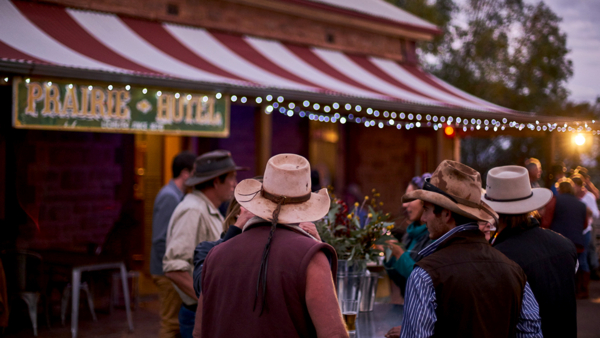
(134, 277)
(67, 295)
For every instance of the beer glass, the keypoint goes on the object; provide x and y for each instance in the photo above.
(350, 312)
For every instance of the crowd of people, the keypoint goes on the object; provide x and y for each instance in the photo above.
(508, 259)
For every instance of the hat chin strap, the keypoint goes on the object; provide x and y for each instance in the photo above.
(262, 273)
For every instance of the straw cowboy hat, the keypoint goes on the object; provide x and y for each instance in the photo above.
(286, 186)
(212, 165)
(456, 187)
(508, 191)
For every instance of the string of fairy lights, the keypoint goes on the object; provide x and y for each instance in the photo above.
(349, 113)
(399, 120)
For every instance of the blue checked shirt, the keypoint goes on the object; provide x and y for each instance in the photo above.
(419, 308)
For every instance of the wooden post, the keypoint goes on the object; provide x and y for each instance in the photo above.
(439, 137)
(171, 147)
(264, 137)
(340, 163)
(456, 145)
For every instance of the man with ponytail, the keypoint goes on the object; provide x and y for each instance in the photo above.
(274, 279)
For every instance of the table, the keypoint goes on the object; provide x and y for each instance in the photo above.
(378, 322)
(79, 263)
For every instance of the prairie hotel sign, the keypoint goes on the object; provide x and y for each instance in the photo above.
(65, 105)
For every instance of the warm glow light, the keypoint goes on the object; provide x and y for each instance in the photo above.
(449, 131)
(579, 139)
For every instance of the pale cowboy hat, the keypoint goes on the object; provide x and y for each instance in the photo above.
(508, 191)
(284, 197)
(456, 187)
(287, 185)
(211, 165)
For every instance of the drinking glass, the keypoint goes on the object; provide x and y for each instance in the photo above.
(350, 312)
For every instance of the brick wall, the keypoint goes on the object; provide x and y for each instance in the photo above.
(383, 159)
(256, 21)
(72, 185)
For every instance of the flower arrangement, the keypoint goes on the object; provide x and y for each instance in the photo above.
(354, 233)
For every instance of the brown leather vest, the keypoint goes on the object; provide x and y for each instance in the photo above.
(229, 280)
(478, 290)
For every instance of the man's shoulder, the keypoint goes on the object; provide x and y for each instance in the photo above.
(534, 244)
(166, 192)
(555, 239)
(191, 201)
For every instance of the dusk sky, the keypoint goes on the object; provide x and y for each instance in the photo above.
(582, 25)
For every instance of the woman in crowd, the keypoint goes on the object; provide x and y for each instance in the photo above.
(570, 220)
(403, 257)
(589, 200)
(486, 228)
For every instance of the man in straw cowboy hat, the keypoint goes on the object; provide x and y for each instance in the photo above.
(463, 287)
(197, 219)
(547, 258)
(274, 279)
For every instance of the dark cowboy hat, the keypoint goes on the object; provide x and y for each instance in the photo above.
(456, 187)
(211, 165)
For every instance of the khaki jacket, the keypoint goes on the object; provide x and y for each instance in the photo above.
(194, 220)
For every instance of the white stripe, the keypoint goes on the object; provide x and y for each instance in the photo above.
(349, 68)
(469, 96)
(284, 58)
(394, 70)
(116, 35)
(19, 33)
(204, 44)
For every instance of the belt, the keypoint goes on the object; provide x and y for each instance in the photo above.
(192, 307)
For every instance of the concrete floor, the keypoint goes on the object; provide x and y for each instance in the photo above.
(588, 313)
(146, 322)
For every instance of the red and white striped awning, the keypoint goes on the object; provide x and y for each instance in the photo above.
(85, 40)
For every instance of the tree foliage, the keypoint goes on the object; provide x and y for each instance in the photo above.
(505, 51)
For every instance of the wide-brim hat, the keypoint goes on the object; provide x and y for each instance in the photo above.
(455, 187)
(508, 191)
(212, 165)
(287, 182)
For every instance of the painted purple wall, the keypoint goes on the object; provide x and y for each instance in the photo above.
(242, 139)
(290, 134)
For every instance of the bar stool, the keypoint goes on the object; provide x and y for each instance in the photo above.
(66, 295)
(116, 294)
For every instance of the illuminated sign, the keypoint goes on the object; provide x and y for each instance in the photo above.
(65, 105)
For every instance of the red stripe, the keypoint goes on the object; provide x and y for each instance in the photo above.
(156, 34)
(309, 57)
(57, 23)
(418, 73)
(437, 85)
(376, 71)
(239, 46)
(7, 52)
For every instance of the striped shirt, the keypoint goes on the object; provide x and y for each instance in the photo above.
(420, 301)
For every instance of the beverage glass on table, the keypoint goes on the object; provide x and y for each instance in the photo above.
(350, 312)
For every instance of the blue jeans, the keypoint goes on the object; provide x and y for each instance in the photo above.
(187, 319)
(583, 257)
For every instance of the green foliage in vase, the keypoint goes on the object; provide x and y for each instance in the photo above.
(355, 232)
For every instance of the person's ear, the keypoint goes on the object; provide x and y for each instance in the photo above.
(447, 214)
(185, 174)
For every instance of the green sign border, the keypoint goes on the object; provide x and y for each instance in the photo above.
(17, 123)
